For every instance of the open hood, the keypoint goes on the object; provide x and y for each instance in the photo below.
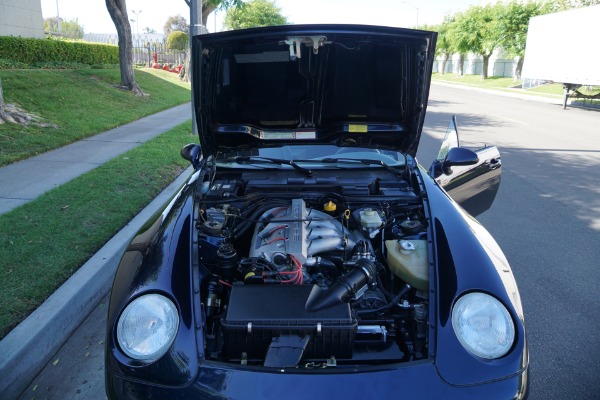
(347, 85)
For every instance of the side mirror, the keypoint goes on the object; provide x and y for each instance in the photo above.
(191, 152)
(474, 187)
(458, 156)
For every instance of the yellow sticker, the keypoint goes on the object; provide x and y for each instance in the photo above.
(357, 128)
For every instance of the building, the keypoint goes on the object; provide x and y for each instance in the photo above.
(21, 18)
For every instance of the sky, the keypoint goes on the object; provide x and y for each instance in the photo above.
(94, 17)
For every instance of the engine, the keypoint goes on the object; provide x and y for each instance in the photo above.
(313, 281)
(300, 233)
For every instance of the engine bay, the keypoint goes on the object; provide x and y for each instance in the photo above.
(311, 275)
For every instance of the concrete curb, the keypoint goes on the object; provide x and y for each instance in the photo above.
(528, 97)
(29, 347)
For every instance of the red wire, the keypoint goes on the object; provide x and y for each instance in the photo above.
(299, 276)
(277, 210)
(225, 283)
(277, 239)
(274, 229)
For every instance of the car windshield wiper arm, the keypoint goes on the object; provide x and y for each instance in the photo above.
(365, 161)
(278, 161)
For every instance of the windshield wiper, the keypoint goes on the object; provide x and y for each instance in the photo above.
(365, 161)
(278, 161)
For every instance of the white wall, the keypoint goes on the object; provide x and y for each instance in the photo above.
(21, 18)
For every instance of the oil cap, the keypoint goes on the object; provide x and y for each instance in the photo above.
(330, 207)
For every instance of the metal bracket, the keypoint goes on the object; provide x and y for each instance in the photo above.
(295, 42)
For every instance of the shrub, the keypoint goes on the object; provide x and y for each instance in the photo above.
(29, 51)
(177, 41)
(12, 64)
(60, 65)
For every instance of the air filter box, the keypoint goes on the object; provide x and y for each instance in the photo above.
(258, 313)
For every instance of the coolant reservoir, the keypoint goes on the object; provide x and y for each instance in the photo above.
(409, 261)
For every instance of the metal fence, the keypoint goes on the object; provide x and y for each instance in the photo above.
(504, 68)
(146, 52)
(475, 67)
(145, 47)
(437, 64)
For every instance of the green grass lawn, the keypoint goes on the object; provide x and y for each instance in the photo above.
(475, 80)
(44, 242)
(549, 88)
(168, 76)
(81, 102)
(498, 83)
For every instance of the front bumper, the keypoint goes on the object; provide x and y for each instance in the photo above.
(417, 381)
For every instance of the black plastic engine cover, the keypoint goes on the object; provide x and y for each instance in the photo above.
(258, 313)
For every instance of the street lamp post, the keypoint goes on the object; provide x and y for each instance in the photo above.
(417, 8)
(137, 21)
(57, 16)
(195, 29)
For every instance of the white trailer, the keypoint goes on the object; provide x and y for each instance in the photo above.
(564, 47)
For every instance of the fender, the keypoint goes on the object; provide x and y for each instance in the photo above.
(158, 260)
(468, 259)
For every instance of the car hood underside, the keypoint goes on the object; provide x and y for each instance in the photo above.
(347, 85)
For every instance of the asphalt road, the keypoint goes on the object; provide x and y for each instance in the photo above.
(546, 218)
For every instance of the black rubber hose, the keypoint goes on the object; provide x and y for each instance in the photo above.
(386, 307)
(243, 227)
(388, 295)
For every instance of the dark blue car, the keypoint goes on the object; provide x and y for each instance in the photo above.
(309, 255)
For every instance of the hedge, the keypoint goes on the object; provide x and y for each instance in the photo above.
(31, 51)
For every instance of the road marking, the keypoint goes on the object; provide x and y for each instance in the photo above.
(510, 119)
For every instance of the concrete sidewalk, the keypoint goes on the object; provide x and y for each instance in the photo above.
(26, 180)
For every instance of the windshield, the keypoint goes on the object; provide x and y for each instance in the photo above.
(314, 154)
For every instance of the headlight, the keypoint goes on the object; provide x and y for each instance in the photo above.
(483, 325)
(147, 327)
